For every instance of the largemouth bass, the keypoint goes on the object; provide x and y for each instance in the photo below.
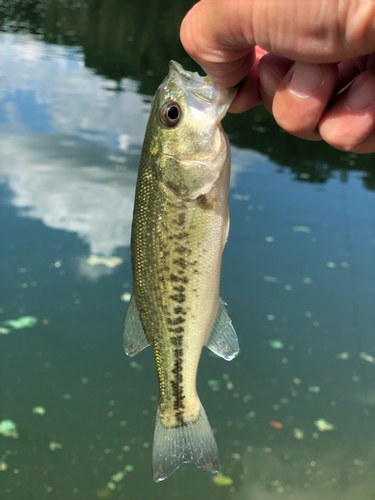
(180, 227)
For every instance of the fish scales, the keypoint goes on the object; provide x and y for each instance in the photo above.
(179, 229)
(175, 244)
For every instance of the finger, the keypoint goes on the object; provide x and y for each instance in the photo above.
(219, 34)
(349, 122)
(205, 35)
(370, 63)
(348, 70)
(302, 97)
(272, 69)
(248, 95)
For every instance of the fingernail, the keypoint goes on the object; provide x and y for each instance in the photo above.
(306, 79)
(361, 93)
(268, 80)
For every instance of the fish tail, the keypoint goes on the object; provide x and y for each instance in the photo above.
(190, 441)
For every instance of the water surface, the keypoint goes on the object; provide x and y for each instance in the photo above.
(298, 275)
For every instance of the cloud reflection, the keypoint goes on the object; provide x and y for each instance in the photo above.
(69, 144)
(36, 77)
(71, 186)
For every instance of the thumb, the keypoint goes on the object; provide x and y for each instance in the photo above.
(221, 34)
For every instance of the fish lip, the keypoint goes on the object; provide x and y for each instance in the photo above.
(203, 87)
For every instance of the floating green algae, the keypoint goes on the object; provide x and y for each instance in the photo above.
(324, 425)
(105, 493)
(314, 388)
(22, 322)
(118, 476)
(126, 297)
(298, 433)
(222, 480)
(251, 414)
(55, 446)
(8, 428)
(276, 344)
(39, 410)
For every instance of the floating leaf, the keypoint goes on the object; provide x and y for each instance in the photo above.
(276, 425)
(39, 410)
(111, 485)
(126, 297)
(271, 279)
(214, 384)
(22, 322)
(307, 280)
(367, 357)
(136, 365)
(104, 493)
(118, 476)
(314, 388)
(55, 446)
(110, 262)
(331, 264)
(8, 428)
(276, 344)
(242, 197)
(324, 425)
(301, 229)
(342, 355)
(298, 433)
(222, 480)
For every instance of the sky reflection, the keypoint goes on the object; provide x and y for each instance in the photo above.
(69, 144)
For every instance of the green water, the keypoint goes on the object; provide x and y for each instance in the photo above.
(76, 80)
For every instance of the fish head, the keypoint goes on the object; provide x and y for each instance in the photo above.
(185, 134)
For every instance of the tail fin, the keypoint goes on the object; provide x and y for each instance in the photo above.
(192, 441)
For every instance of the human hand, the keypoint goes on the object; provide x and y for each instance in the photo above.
(307, 61)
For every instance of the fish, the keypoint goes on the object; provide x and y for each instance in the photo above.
(179, 230)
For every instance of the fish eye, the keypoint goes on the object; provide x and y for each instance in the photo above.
(170, 114)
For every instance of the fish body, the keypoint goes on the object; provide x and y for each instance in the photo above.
(180, 226)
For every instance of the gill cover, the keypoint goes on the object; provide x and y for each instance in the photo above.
(189, 144)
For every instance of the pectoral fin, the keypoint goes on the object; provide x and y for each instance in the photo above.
(223, 339)
(134, 336)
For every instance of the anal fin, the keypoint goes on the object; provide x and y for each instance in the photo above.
(134, 336)
(223, 339)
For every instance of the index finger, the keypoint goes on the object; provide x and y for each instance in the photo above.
(207, 38)
(221, 34)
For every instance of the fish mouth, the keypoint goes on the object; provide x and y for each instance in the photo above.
(203, 88)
